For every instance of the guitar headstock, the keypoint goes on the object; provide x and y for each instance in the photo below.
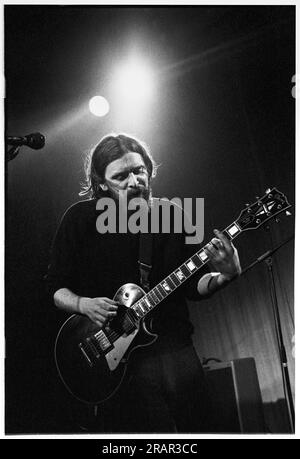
(272, 203)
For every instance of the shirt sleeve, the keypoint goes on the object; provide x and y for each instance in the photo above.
(62, 270)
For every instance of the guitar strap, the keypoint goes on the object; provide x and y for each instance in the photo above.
(145, 259)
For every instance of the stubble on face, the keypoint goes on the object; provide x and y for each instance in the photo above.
(118, 183)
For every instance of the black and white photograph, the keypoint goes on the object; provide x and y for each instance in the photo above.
(149, 221)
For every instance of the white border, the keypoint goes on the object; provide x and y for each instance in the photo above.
(2, 344)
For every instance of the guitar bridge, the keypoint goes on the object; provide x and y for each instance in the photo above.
(94, 346)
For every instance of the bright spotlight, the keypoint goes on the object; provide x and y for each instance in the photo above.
(99, 106)
(134, 82)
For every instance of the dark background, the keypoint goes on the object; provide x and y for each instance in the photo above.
(222, 127)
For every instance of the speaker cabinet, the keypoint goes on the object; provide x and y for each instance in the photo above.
(236, 397)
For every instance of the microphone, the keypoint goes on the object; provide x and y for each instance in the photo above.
(35, 141)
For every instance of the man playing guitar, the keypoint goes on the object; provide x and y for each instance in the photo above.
(164, 389)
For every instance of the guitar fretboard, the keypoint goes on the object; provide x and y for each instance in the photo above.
(170, 283)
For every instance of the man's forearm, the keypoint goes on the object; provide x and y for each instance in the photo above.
(211, 283)
(66, 300)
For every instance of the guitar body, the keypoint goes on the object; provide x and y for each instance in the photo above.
(90, 370)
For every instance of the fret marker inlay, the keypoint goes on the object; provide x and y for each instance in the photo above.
(166, 287)
(203, 256)
(179, 274)
(191, 265)
(147, 301)
(232, 230)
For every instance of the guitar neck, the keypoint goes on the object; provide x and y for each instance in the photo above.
(170, 283)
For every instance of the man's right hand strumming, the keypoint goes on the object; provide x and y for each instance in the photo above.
(99, 310)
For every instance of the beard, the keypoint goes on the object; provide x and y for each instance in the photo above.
(141, 195)
(141, 191)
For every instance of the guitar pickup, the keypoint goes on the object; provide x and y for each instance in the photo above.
(102, 342)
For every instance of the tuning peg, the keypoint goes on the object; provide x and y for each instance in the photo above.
(257, 198)
(268, 190)
(288, 213)
(247, 204)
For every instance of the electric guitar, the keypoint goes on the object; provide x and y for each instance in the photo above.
(92, 362)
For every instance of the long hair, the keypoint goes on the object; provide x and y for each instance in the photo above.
(110, 148)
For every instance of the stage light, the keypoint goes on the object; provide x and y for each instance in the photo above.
(134, 83)
(98, 106)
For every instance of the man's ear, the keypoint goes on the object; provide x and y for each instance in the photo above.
(103, 186)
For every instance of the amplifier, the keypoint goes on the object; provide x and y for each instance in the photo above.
(236, 398)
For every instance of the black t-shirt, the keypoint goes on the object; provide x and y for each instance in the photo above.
(91, 264)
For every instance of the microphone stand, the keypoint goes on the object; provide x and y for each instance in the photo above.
(267, 257)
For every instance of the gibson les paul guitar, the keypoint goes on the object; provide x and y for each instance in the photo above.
(92, 362)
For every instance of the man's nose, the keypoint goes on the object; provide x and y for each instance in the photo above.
(132, 180)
